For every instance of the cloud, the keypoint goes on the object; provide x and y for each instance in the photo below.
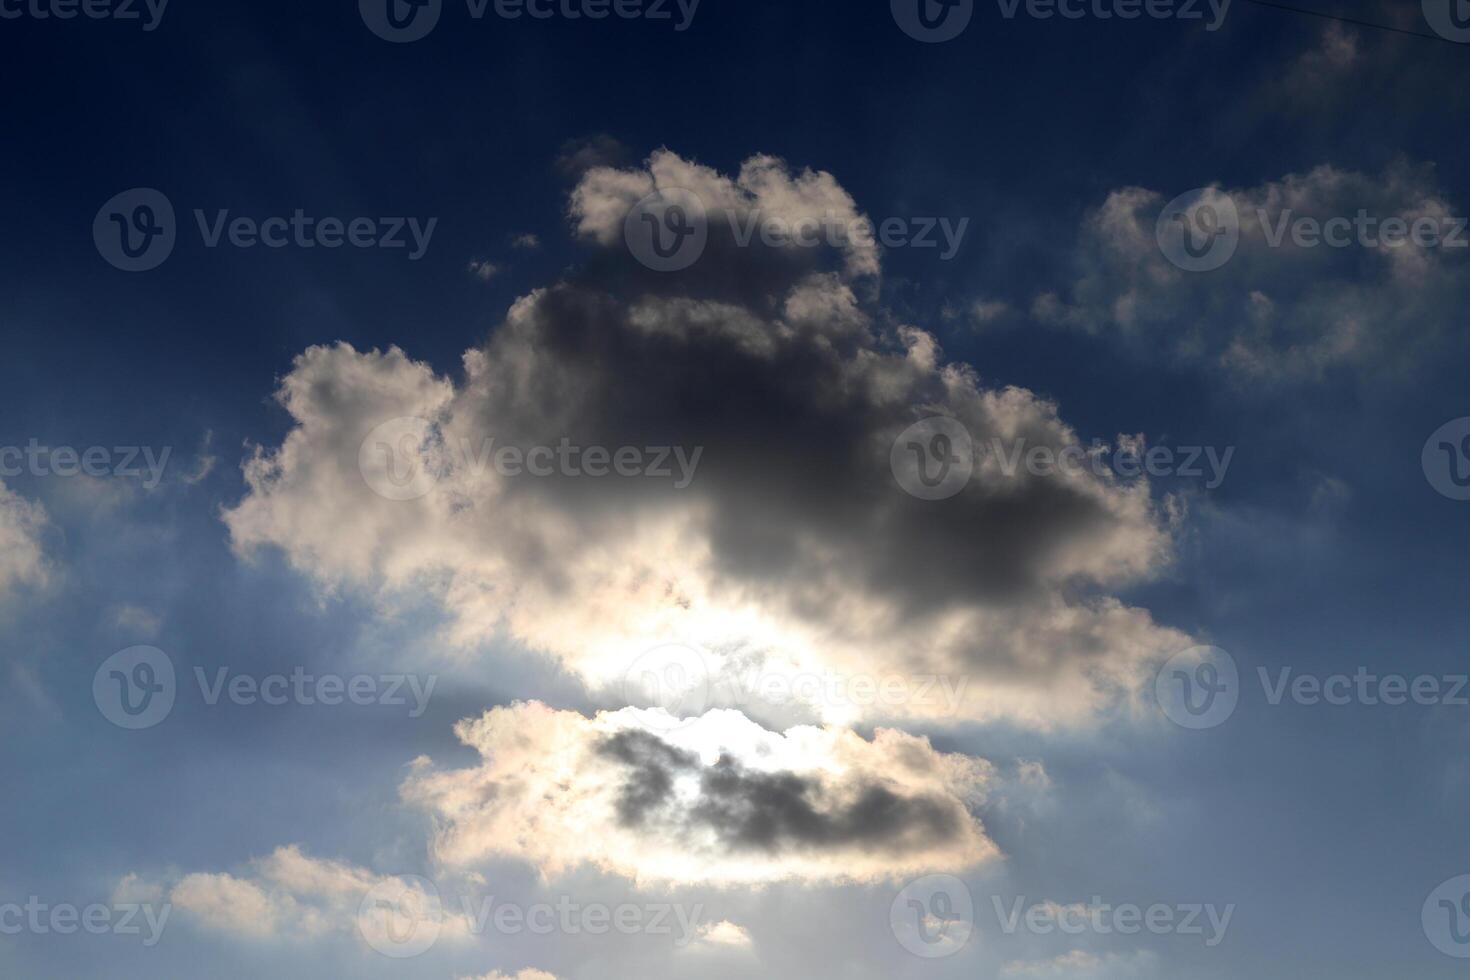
(1277, 311)
(792, 552)
(723, 935)
(764, 190)
(483, 270)
(1082, 965)
(134, 619)
(527, 974)
(22, 557)
(292, 896)
(719, 800)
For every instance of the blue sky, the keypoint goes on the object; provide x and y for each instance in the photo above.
(790, 831)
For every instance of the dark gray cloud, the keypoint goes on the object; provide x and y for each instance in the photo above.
(793, 541)
(770, 812)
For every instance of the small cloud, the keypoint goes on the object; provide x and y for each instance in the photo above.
(529, 240)
(129, 618)
(979, 313)
(581, 155)
(483, 270)
(203, 462)
(724, 935)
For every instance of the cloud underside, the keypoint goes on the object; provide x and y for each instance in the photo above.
(716, 801)
(792, 550)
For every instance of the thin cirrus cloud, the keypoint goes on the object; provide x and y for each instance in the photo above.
(791, 550)
(1280, 310)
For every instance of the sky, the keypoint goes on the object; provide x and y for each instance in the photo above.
(571, 490)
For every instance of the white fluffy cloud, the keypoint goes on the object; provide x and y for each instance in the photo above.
(1277, 310)
(718, 801)
(765, 189)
